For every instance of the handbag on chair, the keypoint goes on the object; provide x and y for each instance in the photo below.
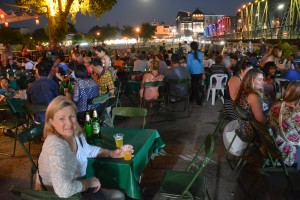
(232, 142)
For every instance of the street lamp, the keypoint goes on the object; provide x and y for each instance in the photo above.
(37, 21)
(138, 33)
(280, 6)
(97, 39)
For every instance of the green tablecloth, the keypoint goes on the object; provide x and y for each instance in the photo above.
(121, 174)
(13, 84)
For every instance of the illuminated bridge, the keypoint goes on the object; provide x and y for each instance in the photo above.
(271, 19)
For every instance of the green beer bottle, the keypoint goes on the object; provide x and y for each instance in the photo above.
(96, 125)
(61, 88)
(70, 87)
(88, 128)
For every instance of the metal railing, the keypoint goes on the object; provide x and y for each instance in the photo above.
(282, 32)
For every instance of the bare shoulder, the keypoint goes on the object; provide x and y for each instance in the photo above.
(253, 99)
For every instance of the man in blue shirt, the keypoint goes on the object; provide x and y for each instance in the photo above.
(294, 74)
(43, 90)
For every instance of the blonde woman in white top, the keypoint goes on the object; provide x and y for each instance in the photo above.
(63, 160)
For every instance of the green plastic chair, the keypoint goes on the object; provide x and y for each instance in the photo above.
(28, 194)
(236, 163)
(100, 99)
(186, 83)
(27, 135)
(118, 85)
(13, 125)
(157, 102)
(30, 109)
(129, 112)
(189, 184)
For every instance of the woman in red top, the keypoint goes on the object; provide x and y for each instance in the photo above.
(87, 64)
(24, 50)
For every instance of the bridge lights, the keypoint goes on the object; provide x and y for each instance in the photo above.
(280, 6)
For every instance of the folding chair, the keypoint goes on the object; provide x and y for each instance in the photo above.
(279, 85)
(236, 162)
(274, 169)
(132, 91)
(31, 109)
(129, 112)
(39, 195)
(156, 103)
(101, 103)
(191, 183)
(16, 108)
(183, 86)
(34, 133)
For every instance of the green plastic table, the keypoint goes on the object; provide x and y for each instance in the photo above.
(117, 172)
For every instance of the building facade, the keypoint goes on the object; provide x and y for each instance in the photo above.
(192, 25)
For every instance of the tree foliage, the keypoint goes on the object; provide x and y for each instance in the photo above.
(108, 32)
(71, 28)
(78, 37)
(8, 35)
(147, 31)
(40, 35)
(128, 32)
(61, 10)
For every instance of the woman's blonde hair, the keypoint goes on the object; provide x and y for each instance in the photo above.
(154, 64)
(292, 93)
(55, 106)
(247, 86)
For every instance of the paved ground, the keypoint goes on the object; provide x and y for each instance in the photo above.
(183, 137)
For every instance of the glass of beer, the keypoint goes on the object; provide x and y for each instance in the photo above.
(119, 139)
(127, 151)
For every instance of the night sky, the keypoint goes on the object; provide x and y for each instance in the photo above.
(135, 12)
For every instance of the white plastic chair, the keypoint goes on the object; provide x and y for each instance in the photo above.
(221, 80)
(280, 89)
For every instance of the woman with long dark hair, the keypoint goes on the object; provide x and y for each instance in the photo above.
(196, 68)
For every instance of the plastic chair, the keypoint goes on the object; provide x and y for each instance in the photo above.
(39, 195)
(30, 109)
(191, 183)
(156, 102)
(221, 81)
(236, 162)
(99, 103)
(280, 84)
(27, 135)
(129, 112)
(16, 108)
(183, 86)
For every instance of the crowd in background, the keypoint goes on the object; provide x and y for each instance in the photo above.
(94, 71)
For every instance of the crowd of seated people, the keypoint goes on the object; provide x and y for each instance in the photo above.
(188, 65)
